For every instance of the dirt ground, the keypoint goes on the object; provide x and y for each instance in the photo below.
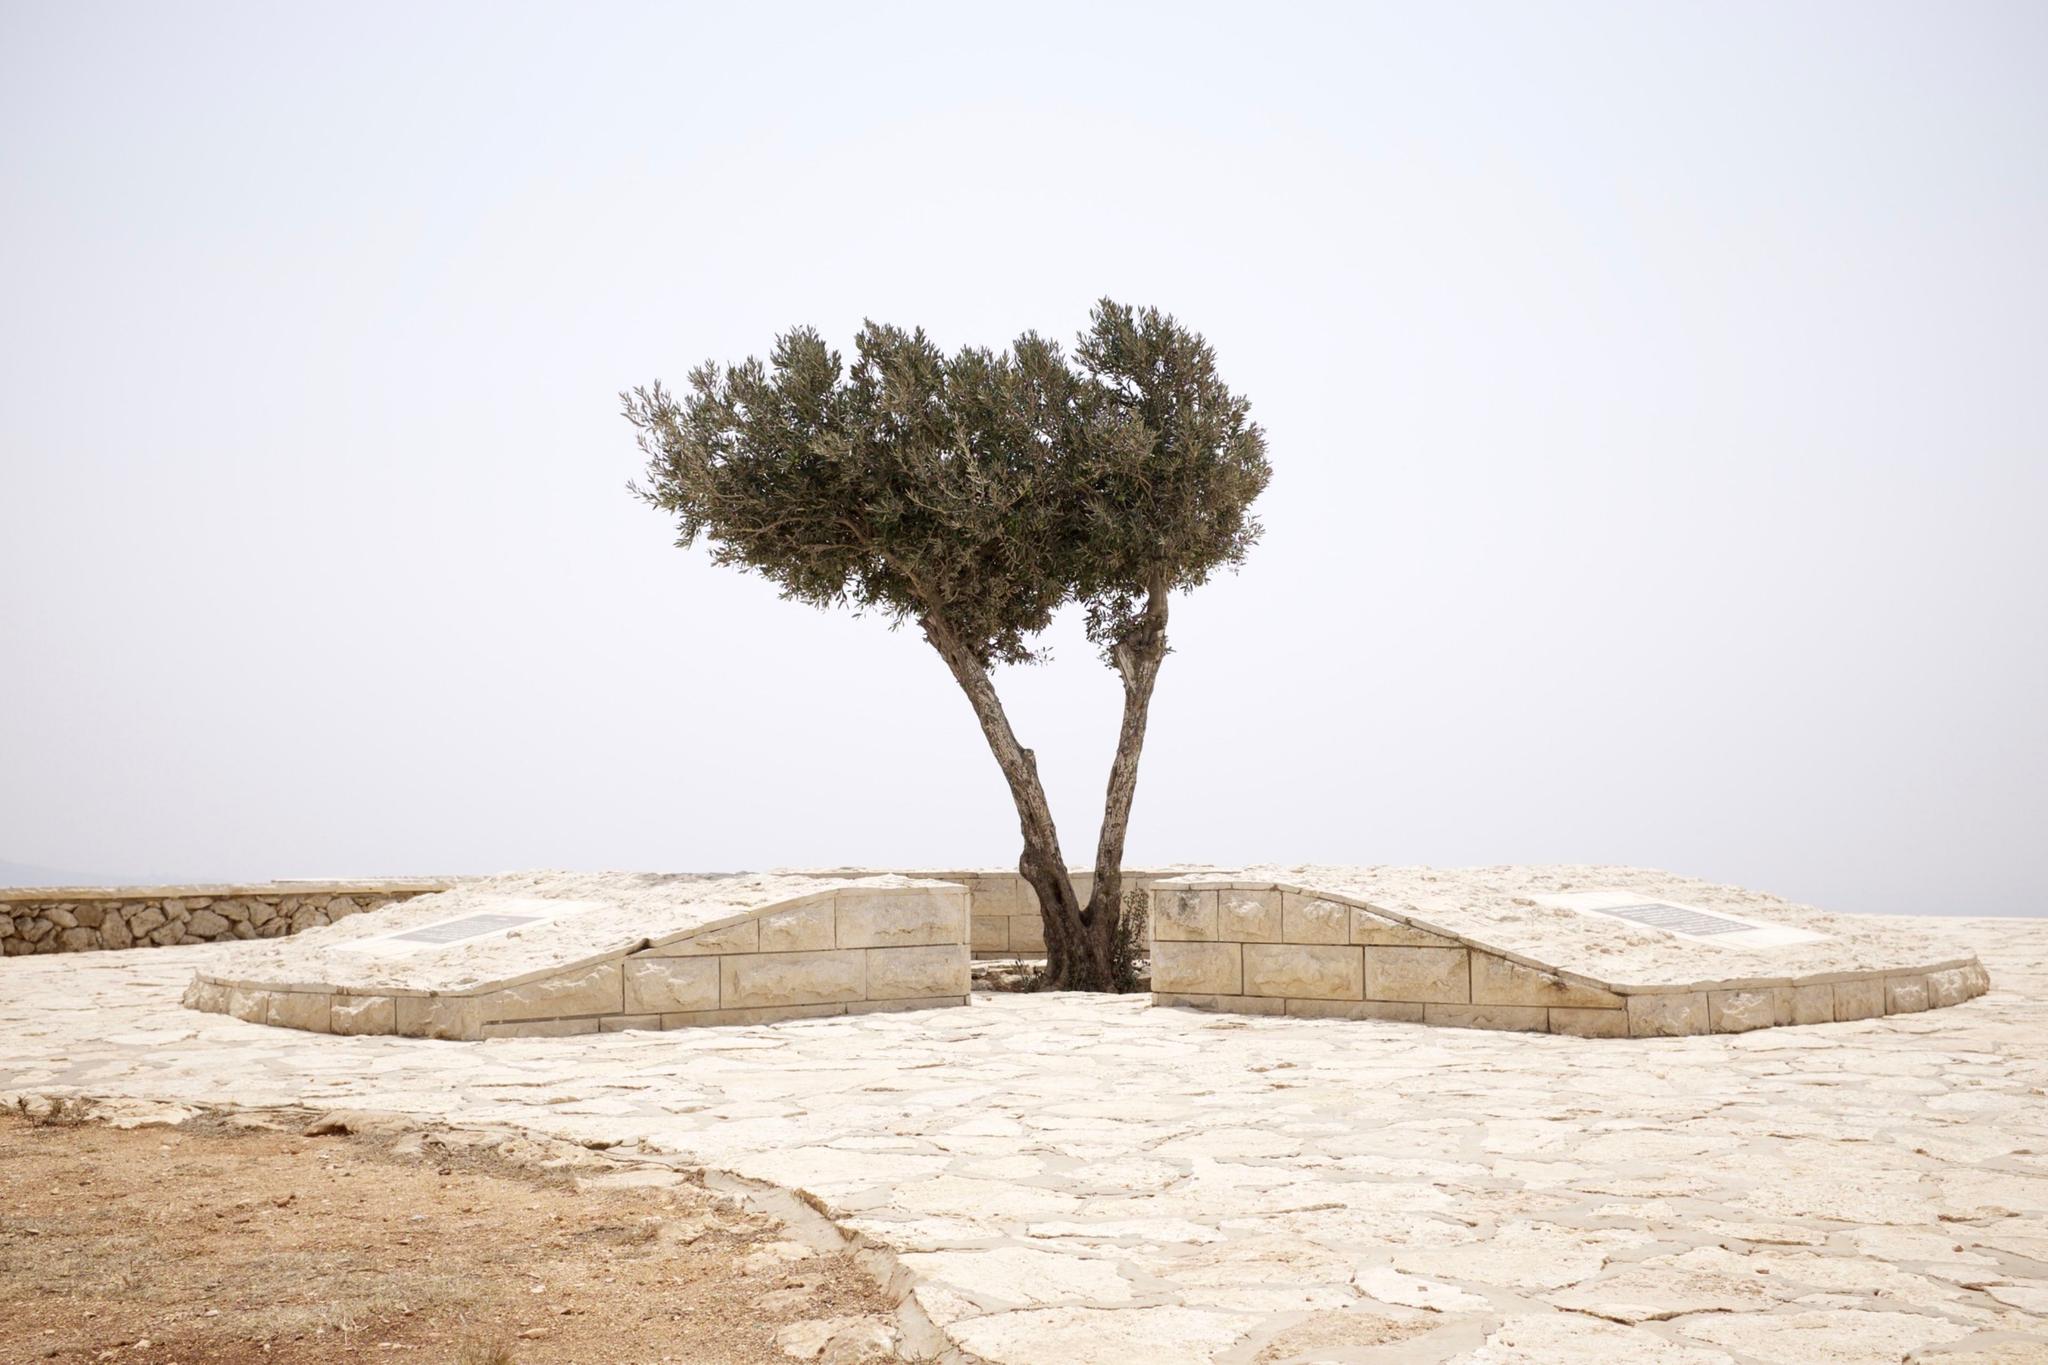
(220, 1241)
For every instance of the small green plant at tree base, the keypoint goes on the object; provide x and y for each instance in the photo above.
(1131, 938)
(974, 495)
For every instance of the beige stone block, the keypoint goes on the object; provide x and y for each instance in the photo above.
(997, 895)
(1741, 1011)
(1180, 968)
(1859, 999)
(1905, 994)
(252, 1007)
(1248, 916)
(1590, 1023)
(1311, 919)
(1813, 1004)
(540, 1028)
(1497, 981)
(991, 934)
(362, 1014)
(439, 1016)
(596, 989)
(800, 929)
(209, 996)
(1387, 1011)
(744, 937)
(774, 980)
(1377, 931)
(298, 1009)
(1980, 980)
(1948, 987)
(1675, 1015)
(765, 1015)
(1438, 976)
(1027, 933)
(1512, 1018)
(1309, 971)
(671, 985)
(900, 919)
(1184, 916)
(928, 1002)
(908, 973)
(1233, 1004)
(629, 1023)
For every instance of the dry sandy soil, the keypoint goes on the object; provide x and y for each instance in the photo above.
(246, 1240)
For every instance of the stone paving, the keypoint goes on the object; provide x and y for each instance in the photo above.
(1085, 1179)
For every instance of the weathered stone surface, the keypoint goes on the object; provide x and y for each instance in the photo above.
(629, 1023)
(1421, 975)
(207, 925)
(910, 973)
(1497, 981)
(772, 1014)
(1515, 1018)
(1813, 1004)
(1380, 932)
(913, 1002)
(1859, 1000)
(587, 990)
(1027, 934)
(1905, 994)
(991, 933)
(1187, 968)
(1248, 916)
(1307, 971)
(1741, 1011)
(1590, 1023)
(438, 1016)
(1311, 919)
(249, 1006)
(900, 919)
(146, 920)
(1572, 1339)
(1948, 987)
(744, 937)
(1184, 916)
(803, 928)
(774, 979)
(1390, 1011)
(540, 1028)
(298, 1009)
(362, 1014)
(1236, 1004)
(664, 985)
(1673, 1015)
(1827, 1337)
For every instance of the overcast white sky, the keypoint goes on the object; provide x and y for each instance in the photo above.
(1658, 400)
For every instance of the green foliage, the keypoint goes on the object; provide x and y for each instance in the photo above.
(979, 491)
(1128, 946)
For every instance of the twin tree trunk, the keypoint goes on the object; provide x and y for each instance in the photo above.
(1080, 939)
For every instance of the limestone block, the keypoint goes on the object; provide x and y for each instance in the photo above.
(1813, 1004)
(1027, 934)
(1311, 919)
(908, 973)
(772, 980)
(1390, 1011)
(61, 916)
(1497, 981)
(1180, 968)
(744, 937)
(893, 919)
(362, 1014)
(146, 920)
(207, 925)
(996, 894)
(1235, 1004)
(249, 1006)
(765, 1015)
(1590, 1023)
(629, 1023)
(89, 914)
(1741, 1011)
(670, 985)
(1859, 999)
(298, 1009)
(206, 995)
(1514, 1018)
(439, 1016)
(114, 932)
(1949, 987)
(1438, 976)
(1308, 971)
(1248, 916)
(927, 1002)
(540, 1028)
(1184, 916)
(799, 929)
(991, 934)
(1674, 1015)
(1905, 994)
(1380, 932)
(1980, 980)
(78, 938)
(595, 989)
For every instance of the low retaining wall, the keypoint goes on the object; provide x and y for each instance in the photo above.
(842, 951)
(72, 919)
(1261, 948)
(1007, 922)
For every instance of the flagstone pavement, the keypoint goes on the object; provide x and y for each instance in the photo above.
(1079, 1179)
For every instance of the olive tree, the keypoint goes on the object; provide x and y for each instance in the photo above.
(976, 494)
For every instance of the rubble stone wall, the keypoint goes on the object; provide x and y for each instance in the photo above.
(81, 919)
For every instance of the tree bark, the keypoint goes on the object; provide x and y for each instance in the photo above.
(1137, 658)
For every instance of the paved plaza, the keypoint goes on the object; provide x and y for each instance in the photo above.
(1076, 1179)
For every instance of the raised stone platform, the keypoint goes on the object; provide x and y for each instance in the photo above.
(556, 953)
(1608, 952)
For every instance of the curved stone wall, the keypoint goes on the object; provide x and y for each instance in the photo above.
(74, 919)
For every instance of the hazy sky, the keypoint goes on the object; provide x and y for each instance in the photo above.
(1657, 398)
